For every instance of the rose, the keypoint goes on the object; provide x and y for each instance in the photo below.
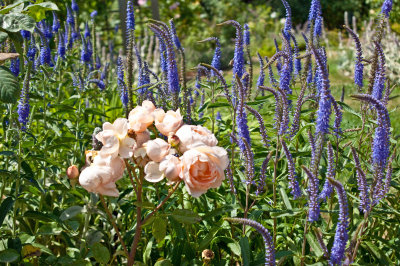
(157, 149)
(141, 117)
(115, 139)
(203, 168)
(170, 168)
(167, 123)
(101, 175)
(192, 136)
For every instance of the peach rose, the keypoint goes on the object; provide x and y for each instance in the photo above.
(203, 168)
(141, 117)
(192, 136)
(157, 149)
(167, 123)
(115, 139)
(170, 168)
(101, 175)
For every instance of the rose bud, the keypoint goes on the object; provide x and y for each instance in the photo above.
(173, 140)
(207, 255)
(73, 172)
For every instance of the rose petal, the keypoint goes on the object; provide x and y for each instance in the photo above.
(153, 173)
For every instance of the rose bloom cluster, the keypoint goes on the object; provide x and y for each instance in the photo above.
(190, 153)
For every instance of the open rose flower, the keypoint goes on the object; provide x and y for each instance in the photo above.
(192, 136)
(169, 122)
(115, 139)
(101, 175)
(141, 117)
(170, 168)
(157, 149)
(203, 168)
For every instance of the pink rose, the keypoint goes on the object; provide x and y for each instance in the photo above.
(170, 168)
(101, 175)
(142, 2)
(115, 139)
(141, 117)
(167, 123)
(203, 168)
(193, 136)
(157, 149)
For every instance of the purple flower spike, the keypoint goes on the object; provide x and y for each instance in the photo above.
(328, 189)
(93, 14)
(130, 16)
(313, 204)
(175, 36)
(387, 7)
(23, 104)
(269, 245)
(362, 183)
(261, 77)
(315, 10)
(293, 184)
(246, 34)
(121, 82)
(74, 6)
(341, 235)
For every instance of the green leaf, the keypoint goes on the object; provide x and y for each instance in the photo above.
(9, 86)
(163, 262)
(147, 251)
(100, 253)
(208, 238)
(314, 245)
(159, 229)
(38, 11)
(12, 6)
(5, 207)
(235, 248)
(70, 212)
(9, 255)
(49, 229)
(186, 216)
(3, 36)
(14, 22)
(35, 215)
(285, 198)
(245, 250)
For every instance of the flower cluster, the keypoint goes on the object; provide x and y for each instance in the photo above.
(189, 152)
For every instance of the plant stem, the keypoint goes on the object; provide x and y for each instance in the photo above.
(138, 231)
(162, 202)
(274, 185)
(110, 216)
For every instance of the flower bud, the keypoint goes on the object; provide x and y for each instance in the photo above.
(173, 140)
(73, 172)
(207, 255)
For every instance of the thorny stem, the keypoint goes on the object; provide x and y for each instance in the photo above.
(110, 217)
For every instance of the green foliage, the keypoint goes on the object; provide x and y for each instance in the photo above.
(9, 86)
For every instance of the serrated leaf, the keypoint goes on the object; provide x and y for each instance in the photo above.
(186, 216)
(5, 207)
(159, 229)
(9, 86)
(70, 212)
(8, 255)
(245, 250)
(15, 22)
(100, 253)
